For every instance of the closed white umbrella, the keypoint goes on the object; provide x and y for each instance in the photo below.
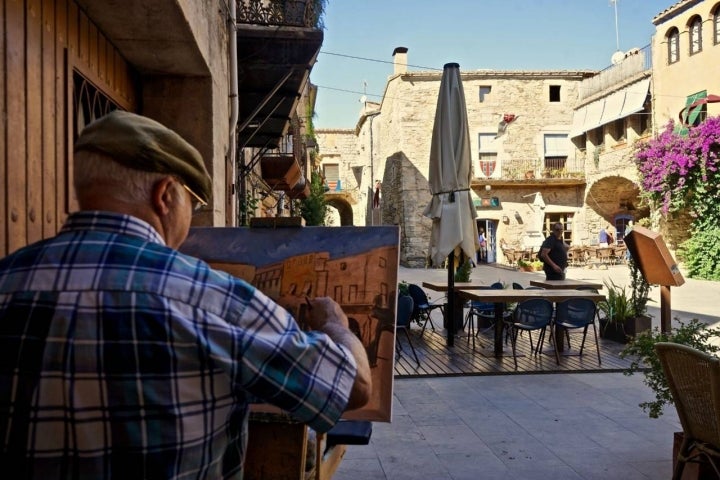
(451, 208)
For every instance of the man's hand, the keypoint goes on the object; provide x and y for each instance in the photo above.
(324, 310)
(327, 317)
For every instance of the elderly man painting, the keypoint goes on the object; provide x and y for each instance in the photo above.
(122, 358)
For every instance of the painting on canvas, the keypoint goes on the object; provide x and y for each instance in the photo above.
(356, 266)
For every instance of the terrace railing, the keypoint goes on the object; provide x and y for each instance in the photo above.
(287, 13)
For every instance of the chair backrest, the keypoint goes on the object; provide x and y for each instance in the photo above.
(404, 310)
(575, 312)
(536, 312)
(534, 287)
(694, 381)
(517, 286)
(486, 306)
(419, 296)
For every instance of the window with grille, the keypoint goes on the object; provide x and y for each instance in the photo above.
(89, 103)
(716, 26)
(556, 150)
(673, 43)
(695, 35)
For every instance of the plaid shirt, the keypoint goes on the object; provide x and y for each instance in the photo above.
(123, 358)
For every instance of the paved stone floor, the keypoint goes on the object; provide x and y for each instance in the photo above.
(542, 426)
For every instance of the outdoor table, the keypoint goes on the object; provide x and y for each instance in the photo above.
(501, 297)
(457, 299)
(566, 284)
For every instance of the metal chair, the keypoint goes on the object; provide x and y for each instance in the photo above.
(533, 314)
(694, 381)
(423, 308)
(482, 310)
(404, 314)
(577, 313)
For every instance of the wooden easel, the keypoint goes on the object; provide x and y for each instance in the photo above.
(277, 449)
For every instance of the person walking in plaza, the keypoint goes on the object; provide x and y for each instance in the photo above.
(123, 358)
(553, 254)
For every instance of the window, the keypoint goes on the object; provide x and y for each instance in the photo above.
(622, 222)
(554, 93)
(673, 42)
(716, 26)
(695, 35)
(556, 150)
(332, 175)
(487, 156)
(484, 90)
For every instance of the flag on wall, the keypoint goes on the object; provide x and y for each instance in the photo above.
(507, 119)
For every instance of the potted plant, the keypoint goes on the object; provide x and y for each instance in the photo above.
(641, 348)
(462, 274)
(625, 314)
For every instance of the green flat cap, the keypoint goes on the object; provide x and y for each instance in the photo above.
(144, 144)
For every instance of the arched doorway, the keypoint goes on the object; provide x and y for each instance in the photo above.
(344, 210)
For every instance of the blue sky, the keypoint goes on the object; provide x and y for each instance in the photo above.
(477, 34)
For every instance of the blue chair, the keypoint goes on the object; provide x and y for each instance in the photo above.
(482, 310)
(404, 314)
(530, 315)
(577, 313)
(423, 308)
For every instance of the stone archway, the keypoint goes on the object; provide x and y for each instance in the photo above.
(344, 209)
(614, 195)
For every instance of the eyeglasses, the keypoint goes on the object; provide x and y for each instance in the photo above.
(198, 202)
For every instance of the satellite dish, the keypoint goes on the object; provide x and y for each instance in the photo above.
(617, 57)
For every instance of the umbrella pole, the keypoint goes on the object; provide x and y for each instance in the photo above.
(450, 305)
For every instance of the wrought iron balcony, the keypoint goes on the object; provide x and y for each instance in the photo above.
(285, 13)
(548, 168)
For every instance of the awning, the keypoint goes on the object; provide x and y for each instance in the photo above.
(635, 97)
(620, 104)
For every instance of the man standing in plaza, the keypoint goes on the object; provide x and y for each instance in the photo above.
(553, 254)
(122, 358)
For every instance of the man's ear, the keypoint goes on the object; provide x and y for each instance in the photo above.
(162, 196)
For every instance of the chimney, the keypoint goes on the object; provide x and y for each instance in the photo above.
(400, 60)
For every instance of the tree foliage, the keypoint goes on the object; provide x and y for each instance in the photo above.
(682, 172)
(314, 208)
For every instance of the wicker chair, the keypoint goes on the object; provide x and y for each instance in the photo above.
(694, 381)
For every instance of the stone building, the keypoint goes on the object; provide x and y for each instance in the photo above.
(527, 175)
(686, 65)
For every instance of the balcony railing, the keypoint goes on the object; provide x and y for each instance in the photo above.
(548, 168)
(635, 62)
(286, 13)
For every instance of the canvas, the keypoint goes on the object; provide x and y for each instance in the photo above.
(356, 266)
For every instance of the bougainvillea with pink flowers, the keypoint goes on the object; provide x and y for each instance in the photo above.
(682, 172)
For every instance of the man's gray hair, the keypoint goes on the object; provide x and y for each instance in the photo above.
(92, 169)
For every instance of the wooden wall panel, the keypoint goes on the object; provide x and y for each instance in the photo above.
(33, 112)
(3, 142)
(60, 98)
(16, 126)
(49, 121)
(40, 42)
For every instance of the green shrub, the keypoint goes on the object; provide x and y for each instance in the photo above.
(642, 349)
